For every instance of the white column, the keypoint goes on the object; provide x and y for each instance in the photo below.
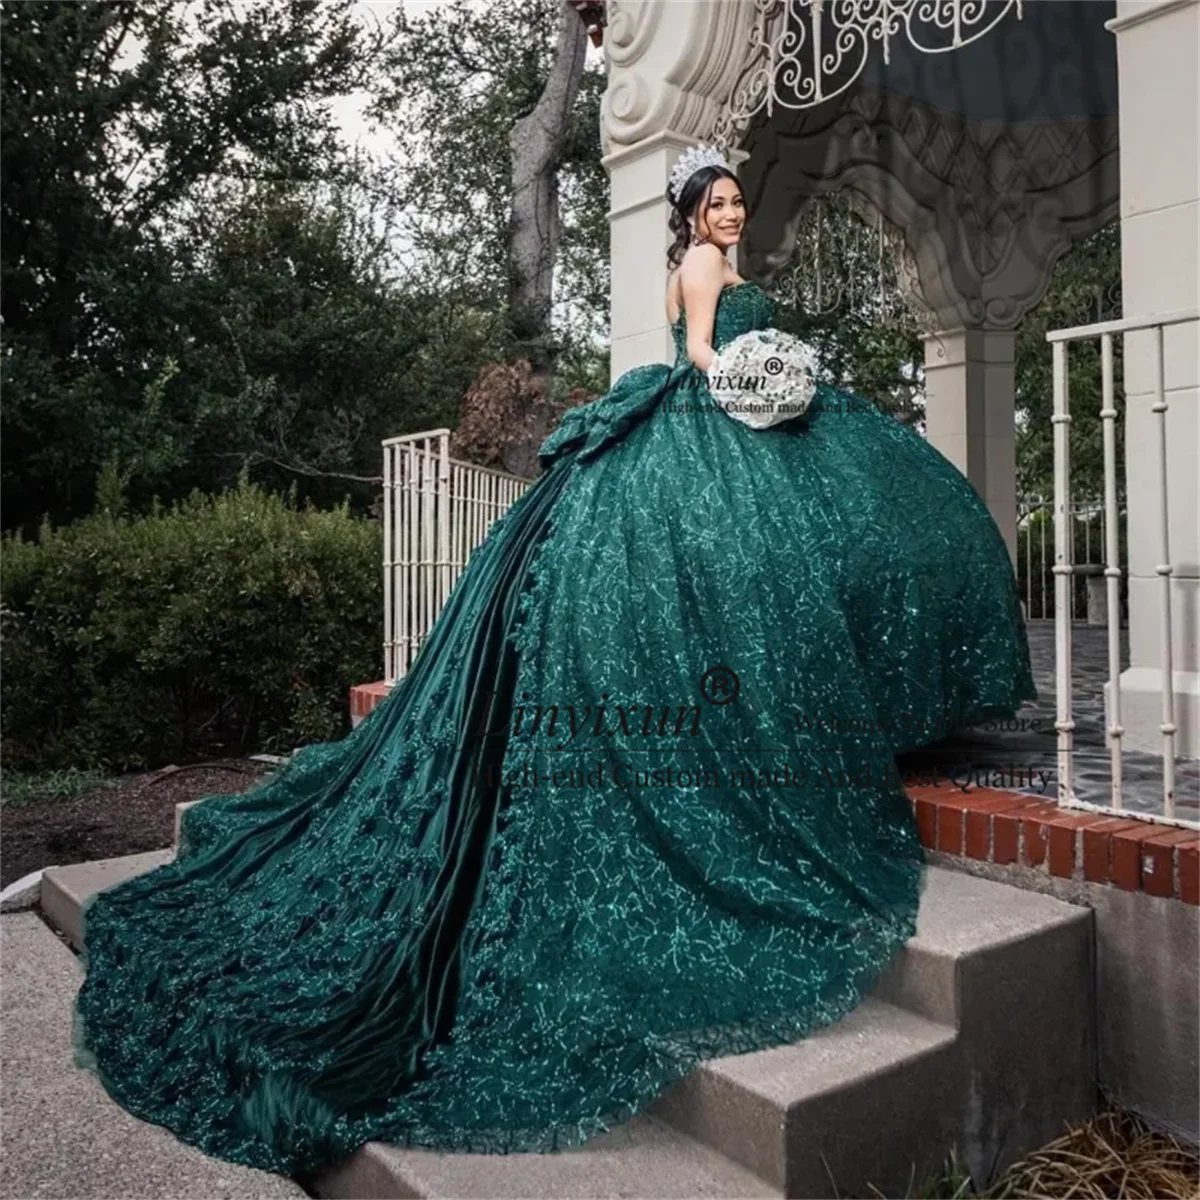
(970, 415)
(1160, 272)
(639, 240)
(670, 68)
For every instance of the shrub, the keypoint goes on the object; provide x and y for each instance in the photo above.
(226, 621)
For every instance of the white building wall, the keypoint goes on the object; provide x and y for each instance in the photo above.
(1158, 50)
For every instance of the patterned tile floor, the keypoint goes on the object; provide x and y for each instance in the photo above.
(1020, 755)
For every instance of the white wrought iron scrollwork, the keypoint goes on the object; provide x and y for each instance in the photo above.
(845, 256)
(755, 83)
(804, 52)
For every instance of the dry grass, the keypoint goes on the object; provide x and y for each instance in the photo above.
(1115, 1154)
(1112, 1156)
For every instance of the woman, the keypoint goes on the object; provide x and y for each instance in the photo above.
(635, 804)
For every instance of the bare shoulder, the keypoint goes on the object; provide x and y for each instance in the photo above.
(702, 274)
(702, 264)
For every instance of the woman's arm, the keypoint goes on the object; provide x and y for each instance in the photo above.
(701, 278)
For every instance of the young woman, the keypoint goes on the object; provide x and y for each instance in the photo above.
(635, 804)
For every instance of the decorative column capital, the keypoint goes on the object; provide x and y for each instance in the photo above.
(671, 66)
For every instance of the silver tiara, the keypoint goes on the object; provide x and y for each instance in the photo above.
(689, 162)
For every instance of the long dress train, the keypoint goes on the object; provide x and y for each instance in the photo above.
(635, 804)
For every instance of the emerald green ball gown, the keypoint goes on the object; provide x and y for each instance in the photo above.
(634, 805)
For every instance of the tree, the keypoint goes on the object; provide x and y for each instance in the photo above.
(114, 116)
(1085, 288)
(501, 178)
(535, 143)
(302, 355)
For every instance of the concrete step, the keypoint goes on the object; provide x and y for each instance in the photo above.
(64, 889)
(878, 1098)
(640, 1158)
(61, 1133)
(963, 916)
(785, 1113)
(979, 1035)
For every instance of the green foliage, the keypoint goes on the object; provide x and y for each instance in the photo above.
(1085, 288)
(230, 621)
(303, 356)
(847, 298)
(20, 791)
(1036, 555)
(880, 362)
(457, 79)
(198, 277)
(883, 359)
(124, 131)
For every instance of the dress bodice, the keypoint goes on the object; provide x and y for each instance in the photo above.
(585, 430)
(740, 308)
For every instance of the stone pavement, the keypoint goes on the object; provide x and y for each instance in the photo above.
(62, 1135)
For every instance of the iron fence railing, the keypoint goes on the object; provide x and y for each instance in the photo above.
(1036, 538)
(1065, 549)
(436, 510)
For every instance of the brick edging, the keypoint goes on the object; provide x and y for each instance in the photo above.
(364, 697)
(1011, 828)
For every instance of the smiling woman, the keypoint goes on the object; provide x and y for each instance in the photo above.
(432, 938)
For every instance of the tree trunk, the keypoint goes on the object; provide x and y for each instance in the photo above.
(536, 143)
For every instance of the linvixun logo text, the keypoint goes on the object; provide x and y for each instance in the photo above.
(600, 722)
(738, 383)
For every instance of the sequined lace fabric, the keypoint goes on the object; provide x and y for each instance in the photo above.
(635, 805)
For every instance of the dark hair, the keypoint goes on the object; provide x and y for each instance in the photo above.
(692, 195)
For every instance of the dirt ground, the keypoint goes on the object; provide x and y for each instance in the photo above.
(135, 814)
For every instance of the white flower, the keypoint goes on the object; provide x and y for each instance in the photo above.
(763, 377)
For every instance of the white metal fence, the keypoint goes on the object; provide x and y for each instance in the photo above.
(1035, 558)
(436, 510)
(1064, 551)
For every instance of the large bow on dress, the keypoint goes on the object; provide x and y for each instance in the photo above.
(590, 427)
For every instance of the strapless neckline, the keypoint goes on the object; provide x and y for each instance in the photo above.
(729, 287)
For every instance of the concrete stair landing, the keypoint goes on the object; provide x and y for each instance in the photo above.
(62, 1135)
(979, 1036)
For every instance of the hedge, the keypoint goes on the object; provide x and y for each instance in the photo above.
(224, 623)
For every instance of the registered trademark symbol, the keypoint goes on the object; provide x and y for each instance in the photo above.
(719, 685)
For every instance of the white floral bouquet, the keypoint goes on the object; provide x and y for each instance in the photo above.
(763, 377)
